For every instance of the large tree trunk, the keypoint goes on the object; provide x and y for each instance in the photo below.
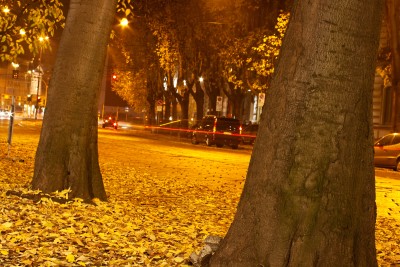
(67, 155)
(309, 196)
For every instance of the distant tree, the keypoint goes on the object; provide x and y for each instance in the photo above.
(194, 51)
(245, 36)
(262, 57)
(67, 155)
(131, 86)
(168, 57)
(248, 63)
(23, 22)
(309, 195)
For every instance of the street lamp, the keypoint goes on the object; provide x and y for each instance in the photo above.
(124, 22)
(41, 40)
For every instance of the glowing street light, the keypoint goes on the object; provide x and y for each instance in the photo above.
(124, 22)
(201, 79)
(6, 9)
(42, 39)
(22, 32)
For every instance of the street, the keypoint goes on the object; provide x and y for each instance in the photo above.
(165, 156)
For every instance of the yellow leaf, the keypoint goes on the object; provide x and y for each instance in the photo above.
(68, 231)
(47, 224)
(7, 225)
(79, 242)
(70, 258)
(4, 252)
(179, 259)
(57, 241)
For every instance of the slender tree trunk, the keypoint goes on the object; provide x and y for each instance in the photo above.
(67, 155)
(167, 106)
(309, 196)
(174, 109)
(212, 91)
(152, 111)
(199, 99)
(184, 103)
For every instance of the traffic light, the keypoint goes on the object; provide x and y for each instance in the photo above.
(15, 74)
(39, 100)
(29, 98)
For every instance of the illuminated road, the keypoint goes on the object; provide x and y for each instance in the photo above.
(158, 154)
(161, 155)
(165, 155)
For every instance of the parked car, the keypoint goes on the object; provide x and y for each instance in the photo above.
(217, 130)
(110, 122)
(387, 151)
(4, 114)
(249, 133)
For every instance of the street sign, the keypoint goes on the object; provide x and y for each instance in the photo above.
(261, 99)
(218, 106)
(159, 104)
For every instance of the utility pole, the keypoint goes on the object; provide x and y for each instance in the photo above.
(38, 83)
(41, 40)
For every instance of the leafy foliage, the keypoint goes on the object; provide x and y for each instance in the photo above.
(23, 22)
(132, 87)
(249, 61)
(166, 47)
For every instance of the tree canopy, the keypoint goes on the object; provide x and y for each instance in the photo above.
(221, 44)
(24, 23)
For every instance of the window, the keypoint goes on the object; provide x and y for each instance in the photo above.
(396, 139)
(385, 141)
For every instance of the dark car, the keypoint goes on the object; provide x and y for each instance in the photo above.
(387, 151)
(249, 133)
(217, 130)
(110, 122)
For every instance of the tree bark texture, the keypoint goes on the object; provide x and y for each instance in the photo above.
(67, 155)
(309, 196)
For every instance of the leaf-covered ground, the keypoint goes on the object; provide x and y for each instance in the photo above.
(148, 221)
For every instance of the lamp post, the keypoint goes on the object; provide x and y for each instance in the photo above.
(124, 22)
(41, 40)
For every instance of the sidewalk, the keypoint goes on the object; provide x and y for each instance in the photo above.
(388, 197)
(388, 220)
